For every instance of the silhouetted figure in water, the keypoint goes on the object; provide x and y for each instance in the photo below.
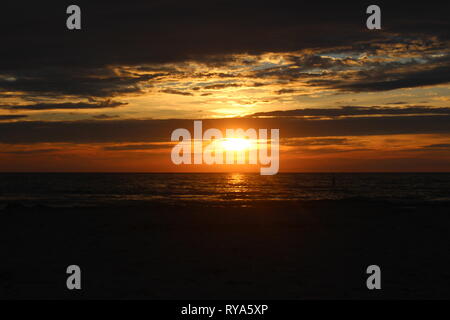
(333, 181)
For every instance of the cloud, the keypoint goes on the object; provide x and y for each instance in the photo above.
(438, 75)
(6, 117)
(145, 131)
(315, 142)
(67, 105)
(438, 146)
(26, 152)
(285, 91)
(105, 116)
(222, 86)
(354, 111)
(174, 91)
(133, 147)
(160, 47)
(171, 31)
(320, 151)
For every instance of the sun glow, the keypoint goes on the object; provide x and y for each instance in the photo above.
(235, 144)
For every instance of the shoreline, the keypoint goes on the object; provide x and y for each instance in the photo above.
(304, 250)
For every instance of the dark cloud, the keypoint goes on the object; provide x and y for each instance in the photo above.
(95, 82)
(41, 58)
(328, 150)
(316, 142)
(286, 72)
(144, 131)
(174, 91)
(26, 152)
(438, 146)
(222, 86)
(67, 105)
(354, 111)
(133, 147)
(362, 75)
(285, 91)
(137, 32)
(390, 81)
(6, 117)
(105, 116)
(398, 102)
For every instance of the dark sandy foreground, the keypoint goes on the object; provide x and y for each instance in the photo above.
(273, 251)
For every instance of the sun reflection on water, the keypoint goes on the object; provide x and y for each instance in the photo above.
(237, 182)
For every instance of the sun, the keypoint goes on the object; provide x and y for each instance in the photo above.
(235, 144)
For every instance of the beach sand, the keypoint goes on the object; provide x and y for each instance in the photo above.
(298, 250)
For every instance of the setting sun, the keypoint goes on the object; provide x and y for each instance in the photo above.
(235, 144)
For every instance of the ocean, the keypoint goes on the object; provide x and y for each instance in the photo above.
(224, 236)
(104, 189)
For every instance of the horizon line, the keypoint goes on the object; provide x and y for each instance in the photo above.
(216, 172)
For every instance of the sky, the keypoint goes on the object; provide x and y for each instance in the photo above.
(108, 96)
